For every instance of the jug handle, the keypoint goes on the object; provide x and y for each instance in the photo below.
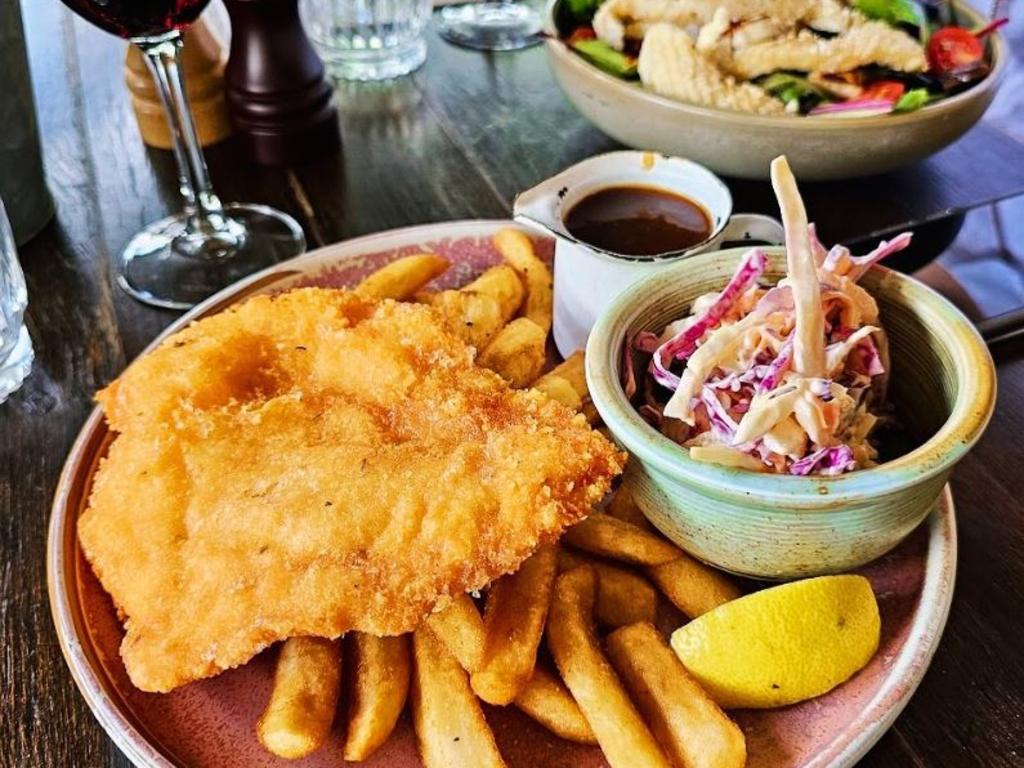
(753, 226)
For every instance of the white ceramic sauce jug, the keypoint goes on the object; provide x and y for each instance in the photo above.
(587, 277)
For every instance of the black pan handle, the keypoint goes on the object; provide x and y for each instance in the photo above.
(1004, 327)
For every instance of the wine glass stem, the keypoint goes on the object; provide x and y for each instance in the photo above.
(163, 57)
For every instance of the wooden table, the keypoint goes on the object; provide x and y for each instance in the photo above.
(456, 141)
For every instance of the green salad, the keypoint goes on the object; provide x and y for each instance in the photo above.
(824, 58)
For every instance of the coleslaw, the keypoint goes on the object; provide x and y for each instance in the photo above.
(790, 378)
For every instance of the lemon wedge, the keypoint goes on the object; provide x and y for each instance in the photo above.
(783, 644)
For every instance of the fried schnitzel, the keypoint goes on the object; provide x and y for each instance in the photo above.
(314, 463)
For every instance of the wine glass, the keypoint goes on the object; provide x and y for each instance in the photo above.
(179, 261)
(490, 25)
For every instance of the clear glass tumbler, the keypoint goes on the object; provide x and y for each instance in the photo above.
(491, 25)
(15, 344)
(368, 39)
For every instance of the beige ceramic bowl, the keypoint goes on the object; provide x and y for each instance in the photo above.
(942, 385)
(743, 145)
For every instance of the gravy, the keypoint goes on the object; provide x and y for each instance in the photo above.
(638, 221)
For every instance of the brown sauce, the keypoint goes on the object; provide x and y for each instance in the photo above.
(638, 221)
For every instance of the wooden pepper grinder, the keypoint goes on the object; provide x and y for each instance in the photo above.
(202, 61)
(280, 102)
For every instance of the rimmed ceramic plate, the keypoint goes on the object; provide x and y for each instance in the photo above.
(211, 724)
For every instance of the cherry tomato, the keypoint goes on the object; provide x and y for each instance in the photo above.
(884, 90)
(951, 48)
(581, 33)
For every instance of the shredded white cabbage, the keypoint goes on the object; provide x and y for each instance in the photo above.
(786, 379)
(726, 456)
(836, 354)
(718, 346)
(809, 343)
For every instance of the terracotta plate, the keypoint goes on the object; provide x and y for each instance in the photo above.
(211, 723)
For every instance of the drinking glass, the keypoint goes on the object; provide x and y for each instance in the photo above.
(15, 344)
(181, 260)
(368, 39)
(490, 25)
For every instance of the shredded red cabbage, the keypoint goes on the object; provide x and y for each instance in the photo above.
(862, 264)
(854, 105)
(835, 255)
(745, 381)
(777, 367)
(869, 359)
(683, 344)
(643, 341)
(717, 415)
(777, 299)
(833, 460)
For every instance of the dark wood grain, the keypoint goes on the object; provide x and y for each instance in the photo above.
(457, 140)
(78, 346)
(519, 129)
(398, 166)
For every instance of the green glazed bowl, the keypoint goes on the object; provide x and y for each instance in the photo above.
(769, 526)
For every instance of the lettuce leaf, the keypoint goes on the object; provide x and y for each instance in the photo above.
(894, 12)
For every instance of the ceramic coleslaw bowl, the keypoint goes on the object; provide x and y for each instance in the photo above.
(742, 144)
(771, 526)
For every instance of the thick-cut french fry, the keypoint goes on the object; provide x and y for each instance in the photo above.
(559, 389)
(450, 726)
(379, 671)
(549, 702)
(605, 535)
(624, 739)
(623, 504)
(301, 709)
(624, 507)
(474, 317)
(517, 249)
(572, 370)
(503, 283)
(690, 726)
(403, 277)
(691, 586)
(459, 626)
(517, 353)
(623, 597)
(514, 615)
(694, 588)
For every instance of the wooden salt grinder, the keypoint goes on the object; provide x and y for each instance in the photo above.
(202, 61)
(280, 102)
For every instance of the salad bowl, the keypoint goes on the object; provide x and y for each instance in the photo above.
(742, 144)
(770, 526)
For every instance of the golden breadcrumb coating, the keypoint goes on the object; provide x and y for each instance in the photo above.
(315, 463)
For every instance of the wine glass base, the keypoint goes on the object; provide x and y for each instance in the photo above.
(168, 265)
(490, 25)
(16, 366)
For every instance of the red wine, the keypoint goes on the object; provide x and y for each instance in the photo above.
(138, 18)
